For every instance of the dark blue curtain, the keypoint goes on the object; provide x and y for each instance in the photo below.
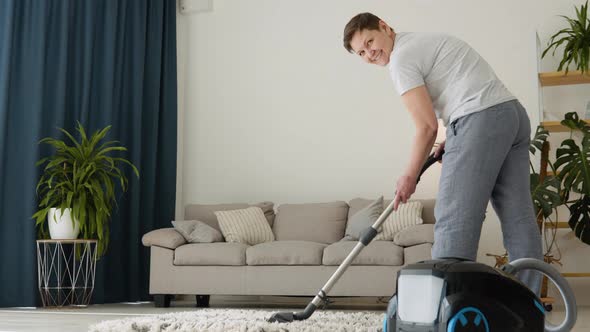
(107, 62)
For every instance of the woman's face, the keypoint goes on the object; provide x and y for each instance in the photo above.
(374, 46)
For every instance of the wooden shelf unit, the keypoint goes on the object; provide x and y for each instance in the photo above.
(560, 225)
(548, 79)
(556, 126)
(556, 78)
(575, 274)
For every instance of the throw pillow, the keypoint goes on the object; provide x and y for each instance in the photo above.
(196, 231)
(407, 215)
(247, 226)
(363, 219)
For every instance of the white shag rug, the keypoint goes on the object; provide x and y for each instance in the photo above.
(244, 320)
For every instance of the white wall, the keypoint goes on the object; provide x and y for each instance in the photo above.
(272, 107)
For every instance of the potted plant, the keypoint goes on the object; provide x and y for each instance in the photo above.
(575, 40)
(78, 183)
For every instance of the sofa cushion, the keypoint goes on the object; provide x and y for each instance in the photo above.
(415, 235)
(218, 253)
(357, 204)
(376, 253)
(418, 253)
(245, 226)
(195, 231)
(362, 220)
(163, 237)
(407, 215)
(315, 222)
(427, 213)
(206, 212)
(285, 253)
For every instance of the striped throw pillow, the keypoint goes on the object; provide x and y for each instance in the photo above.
(248, 226)
(407, 215)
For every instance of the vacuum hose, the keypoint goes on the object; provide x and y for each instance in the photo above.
(561, 284)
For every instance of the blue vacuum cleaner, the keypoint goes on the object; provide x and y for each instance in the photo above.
(453, 295)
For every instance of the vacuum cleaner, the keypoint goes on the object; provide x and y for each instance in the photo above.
(455, 295)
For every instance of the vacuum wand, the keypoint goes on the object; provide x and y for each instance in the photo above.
(365, 238)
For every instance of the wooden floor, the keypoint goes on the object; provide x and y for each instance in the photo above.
(78, 319)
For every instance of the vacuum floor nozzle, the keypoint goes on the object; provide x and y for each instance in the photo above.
(281, 317)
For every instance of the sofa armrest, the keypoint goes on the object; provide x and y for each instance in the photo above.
(415, 235)
(163, 237)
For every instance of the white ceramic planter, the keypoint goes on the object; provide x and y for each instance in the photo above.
(60, 226)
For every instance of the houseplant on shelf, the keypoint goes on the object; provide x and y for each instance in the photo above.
(575, 40)
(78, 180)
(573, 166)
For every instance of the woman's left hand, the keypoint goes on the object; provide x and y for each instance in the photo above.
(405, 187)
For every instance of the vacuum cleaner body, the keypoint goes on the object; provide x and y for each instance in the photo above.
(453, 295)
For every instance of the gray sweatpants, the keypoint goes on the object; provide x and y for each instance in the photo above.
(487, 158)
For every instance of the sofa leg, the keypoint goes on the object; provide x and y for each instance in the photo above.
(162, 300)
(202, 301)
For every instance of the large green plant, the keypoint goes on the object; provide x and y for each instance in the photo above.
(82, 176)
(544, 191)
(573, 165)
(575, 40)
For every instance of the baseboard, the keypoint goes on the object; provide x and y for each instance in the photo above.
(368, 303)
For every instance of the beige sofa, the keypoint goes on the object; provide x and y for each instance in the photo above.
(306, 252)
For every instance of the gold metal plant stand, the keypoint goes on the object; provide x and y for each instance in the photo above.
(66, 271)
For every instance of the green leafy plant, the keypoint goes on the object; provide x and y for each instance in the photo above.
(82, 176)
(544, 191)
(572, 169)
(573, 165)
(575, 40)
(545, 194)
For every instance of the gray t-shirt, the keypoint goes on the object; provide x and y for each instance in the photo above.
(458, 79)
